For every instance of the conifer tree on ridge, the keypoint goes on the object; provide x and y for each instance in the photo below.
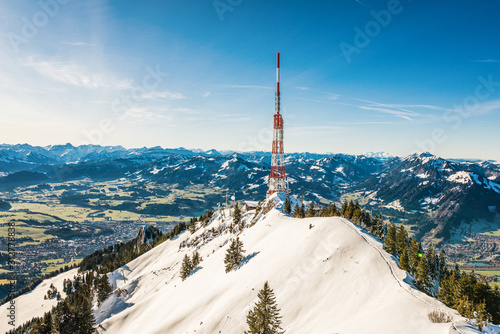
(264, 318)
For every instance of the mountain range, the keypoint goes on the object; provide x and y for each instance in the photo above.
(433, 193)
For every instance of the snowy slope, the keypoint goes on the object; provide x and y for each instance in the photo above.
(332, 278)
(32, 304)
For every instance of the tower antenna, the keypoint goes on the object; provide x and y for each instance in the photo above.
(278, 178)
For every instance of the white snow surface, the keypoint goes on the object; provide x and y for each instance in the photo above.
(460, 177)
(332, 278)
(32, 304)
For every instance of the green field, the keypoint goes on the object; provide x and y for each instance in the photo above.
(355, 196)
(54, 266)
(23, 231)
(486, 273)
(54, 261)
(496, 233)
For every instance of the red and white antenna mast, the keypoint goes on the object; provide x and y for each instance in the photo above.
(278, 178)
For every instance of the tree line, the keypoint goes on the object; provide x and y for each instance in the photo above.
(72, 314)
(350, 210)
(472, 297)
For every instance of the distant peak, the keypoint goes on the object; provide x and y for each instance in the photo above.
(420, 155)
(378, 155)
(425, 154)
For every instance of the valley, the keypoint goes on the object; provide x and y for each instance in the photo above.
(68, 201)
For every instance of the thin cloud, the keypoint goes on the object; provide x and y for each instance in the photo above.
(362, 3)
(424, 106)
(396, 113)
(156, 95)
(397, 110)
(79, 44)
(486, 61)
(142, 114)
(486, 107)
(248, 86)
(314, 130)
(71, 73)
(331, 96)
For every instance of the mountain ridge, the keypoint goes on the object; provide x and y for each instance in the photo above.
(437, 193)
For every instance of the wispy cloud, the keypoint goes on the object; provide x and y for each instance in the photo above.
(248, 86)
(362, 3)
(424, 106)
(314, 130)
(156, 95)
(331, 96)
(72, 73)
(487, 107)
(399, 110)
(188, 111)
(397, 113)
(486, 61)
(79, 44)
(142, 114)
(206, 94)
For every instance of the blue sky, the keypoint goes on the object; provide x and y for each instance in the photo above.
(357, 75)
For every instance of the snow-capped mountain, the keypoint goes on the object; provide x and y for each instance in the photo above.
(379, 155)
(452, 191)
(328, 275)
(444, 191)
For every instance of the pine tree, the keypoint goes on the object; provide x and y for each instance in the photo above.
(237, 215)
(481, 315)
(423, 282)
(334, 211)
(288, 205)
(430, 256)
(356, 212)
(464, 307)
(404, 261)
(324, 211)
(414, 258)
(186, 267)
(84, 316)
(265, 318)
(390, 241)
(196, 259)
(296, 211)
(258, 209)
(350, 210)
(65, 320)
(234, 254)
(192, 225)
(44, 326)
(302, 211)
(311, 212)
(448, 283)
(401, 239)
(104, 289)
(344, 209)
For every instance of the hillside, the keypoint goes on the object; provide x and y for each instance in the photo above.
(332, 278)
(449, 192)
(432, 193)
(32, 304)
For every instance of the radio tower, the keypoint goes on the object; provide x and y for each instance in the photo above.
(278, 179)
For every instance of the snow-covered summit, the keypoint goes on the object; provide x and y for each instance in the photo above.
(379, 155)
(328, 276)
